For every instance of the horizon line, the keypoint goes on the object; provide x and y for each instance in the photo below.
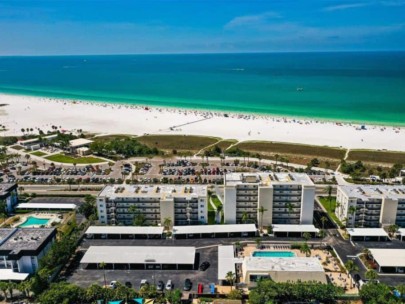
(206, 53)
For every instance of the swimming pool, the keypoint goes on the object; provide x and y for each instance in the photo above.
(34, 221)
(273, 254)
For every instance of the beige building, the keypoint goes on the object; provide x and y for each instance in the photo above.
(183, 204)
(291, 269)
(371, 206)
(286, 198)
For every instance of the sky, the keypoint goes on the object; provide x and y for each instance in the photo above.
(59, 27)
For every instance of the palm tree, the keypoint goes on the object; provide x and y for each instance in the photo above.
(27, 157)
(258, 242)
(167, 223)
(238, 246)
(261, 211)
(102, 265)
(323, 220)
(328, 190)
(371, 275)
(304, 248)
(245, 217)
(4, 288)
(11, 287)
(306, 236)
(231, 278)
(392, 229)
(351, 267)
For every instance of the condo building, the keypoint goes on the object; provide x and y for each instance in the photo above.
(182, 204)
(371, 206)
(268, 198)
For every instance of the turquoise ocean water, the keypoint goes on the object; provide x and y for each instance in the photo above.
(363, 87)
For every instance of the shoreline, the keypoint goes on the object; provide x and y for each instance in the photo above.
(106, 101)
(100, 117)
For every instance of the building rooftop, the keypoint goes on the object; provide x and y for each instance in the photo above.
(366, 232)
(5, 189)
(401, 231)
(139, 255)
(267, 179)
(226, 261)
(389, 257)
(214, 229)
(79, 142)
(157, 191)
(124, 230)
(295, 228)
(10, 275)
(26, 241)
(5, 233)
(46, 206)
(297, 264)
(366, 192)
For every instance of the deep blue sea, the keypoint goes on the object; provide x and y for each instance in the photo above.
(362, 87)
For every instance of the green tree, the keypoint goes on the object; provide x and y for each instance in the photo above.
(307, 236)
(174, 296)
(235, 294)
(392, 229)
(258, 242)
(351, 267)
(323, 220)
(88, 208)
(376, 293)
(304, 248)
(167, 223)
(4, 289)
(371, 275)
(245, 217)
(262, 210)
(329, 190)
(62, 293)
(231, 278)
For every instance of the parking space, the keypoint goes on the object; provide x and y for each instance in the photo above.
(86, 277)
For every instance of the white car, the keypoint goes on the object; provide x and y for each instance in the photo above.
(169, 285)
(113, 284)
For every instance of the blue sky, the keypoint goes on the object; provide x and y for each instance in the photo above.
(53, 27)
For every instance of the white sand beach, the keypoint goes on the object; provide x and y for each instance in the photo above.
(37, 112)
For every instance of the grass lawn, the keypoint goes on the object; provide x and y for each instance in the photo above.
(226, 143)
(388, 157)
(211, 217)
(216, 201)
(295, 153)
(177, 142)
(70, 160)
(111, 137)
(17, 147)
(330, 208)
(38, 153)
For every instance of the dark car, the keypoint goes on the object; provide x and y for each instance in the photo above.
(128, 284)
(356, 277)
(187, 285)
(160, 286)
(204, 266)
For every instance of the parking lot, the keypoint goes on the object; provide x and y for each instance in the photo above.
(86, 277)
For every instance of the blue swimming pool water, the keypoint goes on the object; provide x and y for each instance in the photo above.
(273, 254)
(34, 221)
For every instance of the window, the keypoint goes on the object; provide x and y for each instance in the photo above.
(102, 216)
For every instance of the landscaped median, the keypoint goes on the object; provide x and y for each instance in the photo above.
(61, 158)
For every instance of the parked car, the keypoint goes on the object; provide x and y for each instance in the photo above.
(143, 283)
(128, 284)
(160, 286)
(204, 266)
(187, 285)
(113, 284)
(169, 285)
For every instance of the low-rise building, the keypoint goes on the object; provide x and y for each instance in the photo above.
(389, 260)
(22, 248)
(268, 198)
(371, 206)
(8, 196)
(182, 204)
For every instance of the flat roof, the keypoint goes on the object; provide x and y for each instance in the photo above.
(79, 142)
(366, 192)
(401, 231)
(267, 179)
(389, 257)
(26, 240)
(28, 141)
(226, 261)
(214, 229)
(124, 230)
(366, 232)
(139, 255)
(9, 274)
(5, 188)
(5, 233)
(295, 228)
(46, 206)
(154, 191)
(295, 264)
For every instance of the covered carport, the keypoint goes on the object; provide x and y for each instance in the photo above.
(367, 234)
(401, 234)
(214, 231)
(389, 260)
(294, 230)
(124, 232)
(46, 207)
(139, 257)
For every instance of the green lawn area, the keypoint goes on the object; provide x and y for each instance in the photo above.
(177, 142)
(17, 147)
(388, 157)
(216, 201)
(38, 153)
(210, 207)
(330, 208)
(70, 160)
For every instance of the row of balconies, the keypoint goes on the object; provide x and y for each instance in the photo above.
(287, 192)
(285, 216)
(286, 210)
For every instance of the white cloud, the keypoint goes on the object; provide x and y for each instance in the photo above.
(342, 7)
(251, 20)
